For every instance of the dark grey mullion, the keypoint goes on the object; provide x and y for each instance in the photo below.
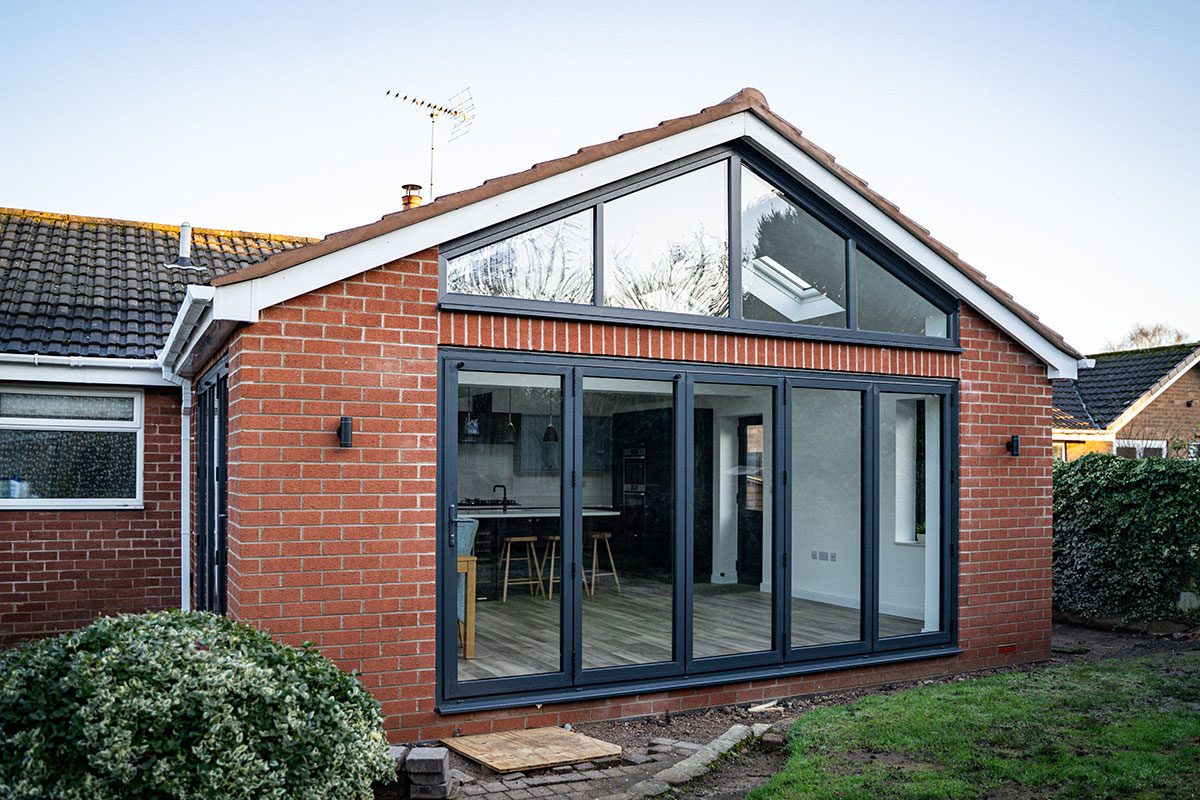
(198, 574)
(681, 526)
(781, 529)
(734, 199)
(948, 617)
(598, 255)
(851, 285)
(572, 532)
(870, 576)
(688, 412)
(447, 584)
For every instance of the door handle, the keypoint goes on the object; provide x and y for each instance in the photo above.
(452, 537)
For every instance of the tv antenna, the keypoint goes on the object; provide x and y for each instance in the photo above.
(460, 108)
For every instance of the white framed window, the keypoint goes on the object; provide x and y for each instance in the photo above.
(70, 448)
(1141, 448)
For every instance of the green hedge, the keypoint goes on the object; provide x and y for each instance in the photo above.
(175, 705)
(1126, 535)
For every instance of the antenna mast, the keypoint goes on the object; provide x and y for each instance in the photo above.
(460, 108)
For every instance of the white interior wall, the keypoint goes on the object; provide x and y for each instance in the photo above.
(826, 496)
(908, 571)
(726, 411)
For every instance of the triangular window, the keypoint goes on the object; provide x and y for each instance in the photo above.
(660, 249)
(888, 305)
(793, 266)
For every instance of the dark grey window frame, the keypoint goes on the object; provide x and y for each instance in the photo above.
(736, 155)
(572, 682)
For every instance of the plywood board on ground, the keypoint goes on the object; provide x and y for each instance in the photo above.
(536, 748)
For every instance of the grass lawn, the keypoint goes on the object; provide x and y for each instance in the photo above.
(1121, 728)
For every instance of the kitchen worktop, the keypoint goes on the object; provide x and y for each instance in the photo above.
(529, 512)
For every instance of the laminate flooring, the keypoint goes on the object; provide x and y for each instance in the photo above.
(521, 637)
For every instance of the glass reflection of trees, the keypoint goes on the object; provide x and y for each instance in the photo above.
(552, 263)
(685, 277)
(802, 262)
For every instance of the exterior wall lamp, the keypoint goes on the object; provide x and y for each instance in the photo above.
(1013, 445)
(345, 432)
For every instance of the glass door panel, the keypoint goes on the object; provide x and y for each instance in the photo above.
(910, 502)
(628, 542)
(731, 512)
(826, 502)
(508, 437)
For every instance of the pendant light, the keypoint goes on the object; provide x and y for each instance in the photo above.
(510, 430)
(551, 434)
(471, 428)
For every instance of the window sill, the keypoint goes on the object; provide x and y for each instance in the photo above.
(687, 322)
(34, 504)
(773, 671)
(909, 544)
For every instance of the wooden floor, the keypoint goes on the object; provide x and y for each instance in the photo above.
(521, 637)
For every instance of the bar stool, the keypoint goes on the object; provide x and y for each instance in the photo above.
(596, 537)
(551, 558)
(533, 568)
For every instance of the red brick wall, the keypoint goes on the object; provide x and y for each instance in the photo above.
(337, 545)
(59, 570)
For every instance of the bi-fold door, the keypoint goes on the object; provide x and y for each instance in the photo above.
(212, 414)
(602, 525)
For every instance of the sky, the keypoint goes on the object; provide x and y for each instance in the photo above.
(1053, 144)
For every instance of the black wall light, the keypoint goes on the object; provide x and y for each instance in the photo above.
(1013, 445)
(345, 431)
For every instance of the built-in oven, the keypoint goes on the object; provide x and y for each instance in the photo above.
(633, 475)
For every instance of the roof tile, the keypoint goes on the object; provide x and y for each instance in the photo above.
(85, 286)
(1104, 392)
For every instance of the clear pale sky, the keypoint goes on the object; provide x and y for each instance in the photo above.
(1054, 145)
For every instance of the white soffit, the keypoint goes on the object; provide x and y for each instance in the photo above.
(242, 301)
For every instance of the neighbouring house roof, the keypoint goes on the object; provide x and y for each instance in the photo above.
(1106, 391)
(1069, 411)
(88, 286)
(747, 100)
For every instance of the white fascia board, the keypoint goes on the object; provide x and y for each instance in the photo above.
(1059, 364)
(243, 301)
(195, 299)
(269, 290)
(1059, 434)
(82, 370)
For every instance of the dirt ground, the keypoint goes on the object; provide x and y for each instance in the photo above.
(737, 776)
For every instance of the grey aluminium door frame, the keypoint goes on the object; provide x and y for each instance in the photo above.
(447, 494)
(574, 682)
(212, 459)
(776, 651)
(653, 372)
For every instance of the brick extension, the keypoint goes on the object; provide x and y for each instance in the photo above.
(61, 569)
(337, 546)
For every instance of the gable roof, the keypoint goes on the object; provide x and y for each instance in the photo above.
(89, 286)
(1118, 381)
(747, 100)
